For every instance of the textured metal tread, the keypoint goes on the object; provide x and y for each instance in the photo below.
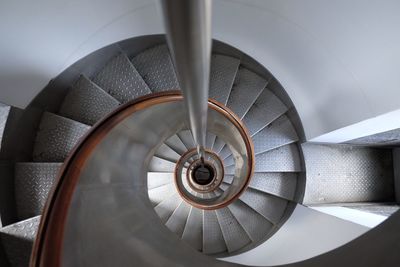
(167, 153)
(87, 103)
(160, 165)
(210, 138)
(222, 75)
(234, 235)
(345, 173)
(218, 145)
(281, 184)
(33, 182)
(229, 161)
(176, 144)
(177, 222)
(156, 68)
(282, 159)
(279, 133)
(255, 225)
(271, 207)
(158, 194)
(17, 240)
(245, 90)
(56, 137)
(265, 110)
(225, 152)
(121, 79)
(193, 233)
(228, 178)
(167, 207)
(157, 179)
(213, 240)
(187, 139)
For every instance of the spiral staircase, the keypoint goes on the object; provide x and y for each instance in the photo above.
(254, 217)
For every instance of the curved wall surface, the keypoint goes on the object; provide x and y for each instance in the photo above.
(338, 60)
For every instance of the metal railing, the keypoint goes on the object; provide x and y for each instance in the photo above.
(188, 28)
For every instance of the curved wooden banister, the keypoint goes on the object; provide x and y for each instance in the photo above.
(47, 249)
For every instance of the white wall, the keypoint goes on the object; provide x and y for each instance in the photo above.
(306, 234)
(338, 60)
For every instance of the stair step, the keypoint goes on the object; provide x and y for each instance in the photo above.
(176, 144)
(255, 225)
(17, 240)
(161, 165)
(176, 223)
(193, 233)
(228, 178)
(281, 184)
(158, 194)
(234, 235)
(120, 79)
(167, 153)
(245, 90)
(187, 139)
(225, 152)
(210, 139)
(157, 179)
(156, 68)
(271, 207)
(213, 240)
(222, 75)
(167, 207)
(33, 182)
(218, 145)
(267, 108)
(229, 161)
(56, 137)
(282, 159)
(87, 103)
(279, 133)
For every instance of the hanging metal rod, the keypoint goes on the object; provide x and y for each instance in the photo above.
(188, 27)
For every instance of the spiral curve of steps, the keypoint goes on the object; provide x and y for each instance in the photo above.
(240, 226)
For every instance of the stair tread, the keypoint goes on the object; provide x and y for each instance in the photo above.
(281, 184)
(279, 133)
(157, 179)
(156, 68)
(167, 207)
(160, 165)
(167, 153)
(265, 110)
(176, 144)
(255, 225)
(281, 159)
(218, 145)
(56, 137)
(17, 240)
(187, 139)
(222, 75)
(87, 103)
(271, 207)
(234, 235)
(213, 240)
(193, 233)
(176, 223)
(158, 194)
(33, 182)
(120, 79)
(245, 90)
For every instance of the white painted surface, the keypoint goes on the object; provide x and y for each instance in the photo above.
(379, 124)
(306, 234)
(338, 60)
(366, 219)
